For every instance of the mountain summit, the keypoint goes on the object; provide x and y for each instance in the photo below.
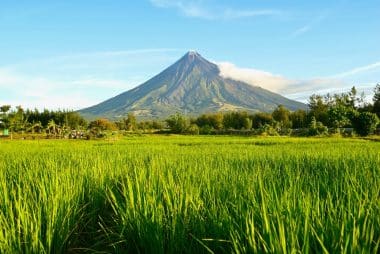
(191, 86)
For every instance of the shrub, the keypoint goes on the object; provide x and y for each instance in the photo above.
(193, 130)
(365, 123)
(247, 123)
(177, 123)
(317, 128)
(206, 130)
(267, 129)
(103, 124)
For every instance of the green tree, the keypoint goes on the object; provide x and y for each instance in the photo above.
(157, 125)
(319, 107)
(74, 121)
(17, 120)
(235, 120)
(52, 127)
(214, 121)
(261, 119)
(131, 122)
(334, 111)
(298, 119)
(36, 127)
(193, 129)
(282, 114)
(355, 100)
(376, 100)
(4, 120)
(339, 116)
(177, 123)
(5, 108)
(247, 125)
(103, 124)
(121, 124)
(365, 123)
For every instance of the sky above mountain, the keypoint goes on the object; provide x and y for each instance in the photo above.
(73, 54)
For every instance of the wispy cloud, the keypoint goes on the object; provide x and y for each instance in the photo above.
(311, 24)
(299, 89)
(358, 70)
(188, 8)
(199, 9)
(301, 30)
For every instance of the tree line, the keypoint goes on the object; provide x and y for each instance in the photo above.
(18, 120)
(344, 113)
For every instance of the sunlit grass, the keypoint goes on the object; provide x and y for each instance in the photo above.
(180, 194)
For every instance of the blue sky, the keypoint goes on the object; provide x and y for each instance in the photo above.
(75, 53)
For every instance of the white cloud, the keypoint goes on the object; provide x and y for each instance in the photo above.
(309, 26)
(301, 30)
(199, 9)
(254, 77)
(232, 14)
(292, 88)
(358, 70)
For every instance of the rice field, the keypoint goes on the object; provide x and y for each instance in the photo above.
(182, 194)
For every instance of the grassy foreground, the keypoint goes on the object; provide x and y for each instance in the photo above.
(190, 195)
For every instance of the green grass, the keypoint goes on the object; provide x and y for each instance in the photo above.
(179, 194)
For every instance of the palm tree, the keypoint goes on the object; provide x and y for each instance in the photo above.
(5, 108)
(36, 126)
(4, 118)
(51, 127)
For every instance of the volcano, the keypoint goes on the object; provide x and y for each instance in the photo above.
(191, 86)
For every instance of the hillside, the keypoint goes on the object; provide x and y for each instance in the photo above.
(190, 86)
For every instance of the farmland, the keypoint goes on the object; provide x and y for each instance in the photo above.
(190, 194)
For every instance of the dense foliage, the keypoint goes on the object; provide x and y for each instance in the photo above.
(20, 120)
(338, 113)
(344, 114)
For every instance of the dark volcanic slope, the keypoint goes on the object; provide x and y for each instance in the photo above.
(192, 86)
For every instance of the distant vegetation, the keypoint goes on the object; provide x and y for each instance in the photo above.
(342, 114)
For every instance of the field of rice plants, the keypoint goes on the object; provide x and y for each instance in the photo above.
(182, 194)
